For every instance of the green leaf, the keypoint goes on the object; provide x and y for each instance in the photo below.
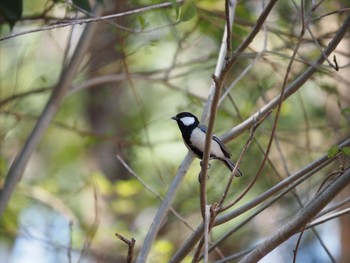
(332, 151)
(11, 10)
(127, 188)
(345, 110)
(188, 11)
(330, 89)
(176, 7)
(83, 4)
(142, 22)
(101, 183)
(346, 150)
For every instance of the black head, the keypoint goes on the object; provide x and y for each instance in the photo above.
(186, 120)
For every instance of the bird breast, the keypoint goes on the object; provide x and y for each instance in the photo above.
(198, 140)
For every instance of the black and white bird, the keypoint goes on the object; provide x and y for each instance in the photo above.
(193, 134)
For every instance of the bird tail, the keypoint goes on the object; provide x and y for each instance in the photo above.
(231, 166)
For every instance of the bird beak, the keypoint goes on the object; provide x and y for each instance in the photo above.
(174, 118)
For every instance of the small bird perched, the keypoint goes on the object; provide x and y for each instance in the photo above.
(193, 134)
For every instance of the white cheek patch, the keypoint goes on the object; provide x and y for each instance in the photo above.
(187, 121)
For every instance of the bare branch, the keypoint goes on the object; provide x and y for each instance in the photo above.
(18, 166)
(163, 209)
(131, 245)
(291, 88)
(296, 178)
(300, 220)
(154, 192)
(60, 24)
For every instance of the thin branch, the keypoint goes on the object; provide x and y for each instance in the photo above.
(302, 174)
(69, 249)
(206, 232)
(295, 251)
(92, 230)
(274, 127)
(245, 148)
(300, 220)
(293, 87)
(131, 245)
(249, 67)
(18, 166)
(60, 24)
(342, 10)
(128, 168)
(328, 218)
(229, 6)
(24, 94)
(333, 207)
(163, 209)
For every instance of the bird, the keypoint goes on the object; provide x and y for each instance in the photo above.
(193, 134)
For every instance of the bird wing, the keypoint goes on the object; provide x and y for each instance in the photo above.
(203, 127)
(223, 147)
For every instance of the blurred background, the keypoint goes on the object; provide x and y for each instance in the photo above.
(141, 69)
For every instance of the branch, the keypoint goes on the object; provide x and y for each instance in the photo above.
(275, 122)
(293, 87)
(131, 245)
(154, 192)
(301, 175)
(163, 209)
(18, 166)
(60, 24)
(328, 218)
(300, 220)
(165, 206)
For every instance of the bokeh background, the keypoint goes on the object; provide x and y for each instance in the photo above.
(139, 70)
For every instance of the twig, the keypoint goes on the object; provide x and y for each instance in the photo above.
(131, 245)
(279, 106)
(69, 249)
(295, 251)
(304, 173)
(92, 230)
(23, 94)
(17, 168)
(60, 24)
(229, 6)
(245, 148)
(211, 106)
(342, 10)
(249, 67)
(336, 67)
(328, 218)
(293, 87)
(300, 220)
(162, 211)
(127, 167)
(206, 232)
(333, 207)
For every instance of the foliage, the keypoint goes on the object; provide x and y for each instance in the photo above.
(106, 155)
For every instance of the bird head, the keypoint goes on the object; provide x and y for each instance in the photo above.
(186, 119)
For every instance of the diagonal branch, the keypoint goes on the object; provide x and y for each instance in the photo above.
(18, 166)
(299, 176)
(66, 23)
(300, 220)
(293, 87)
(170, 195)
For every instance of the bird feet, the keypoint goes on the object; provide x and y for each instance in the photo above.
(201, 163)
(200, 174)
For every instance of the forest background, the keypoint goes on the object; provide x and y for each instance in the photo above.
(92, 168)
